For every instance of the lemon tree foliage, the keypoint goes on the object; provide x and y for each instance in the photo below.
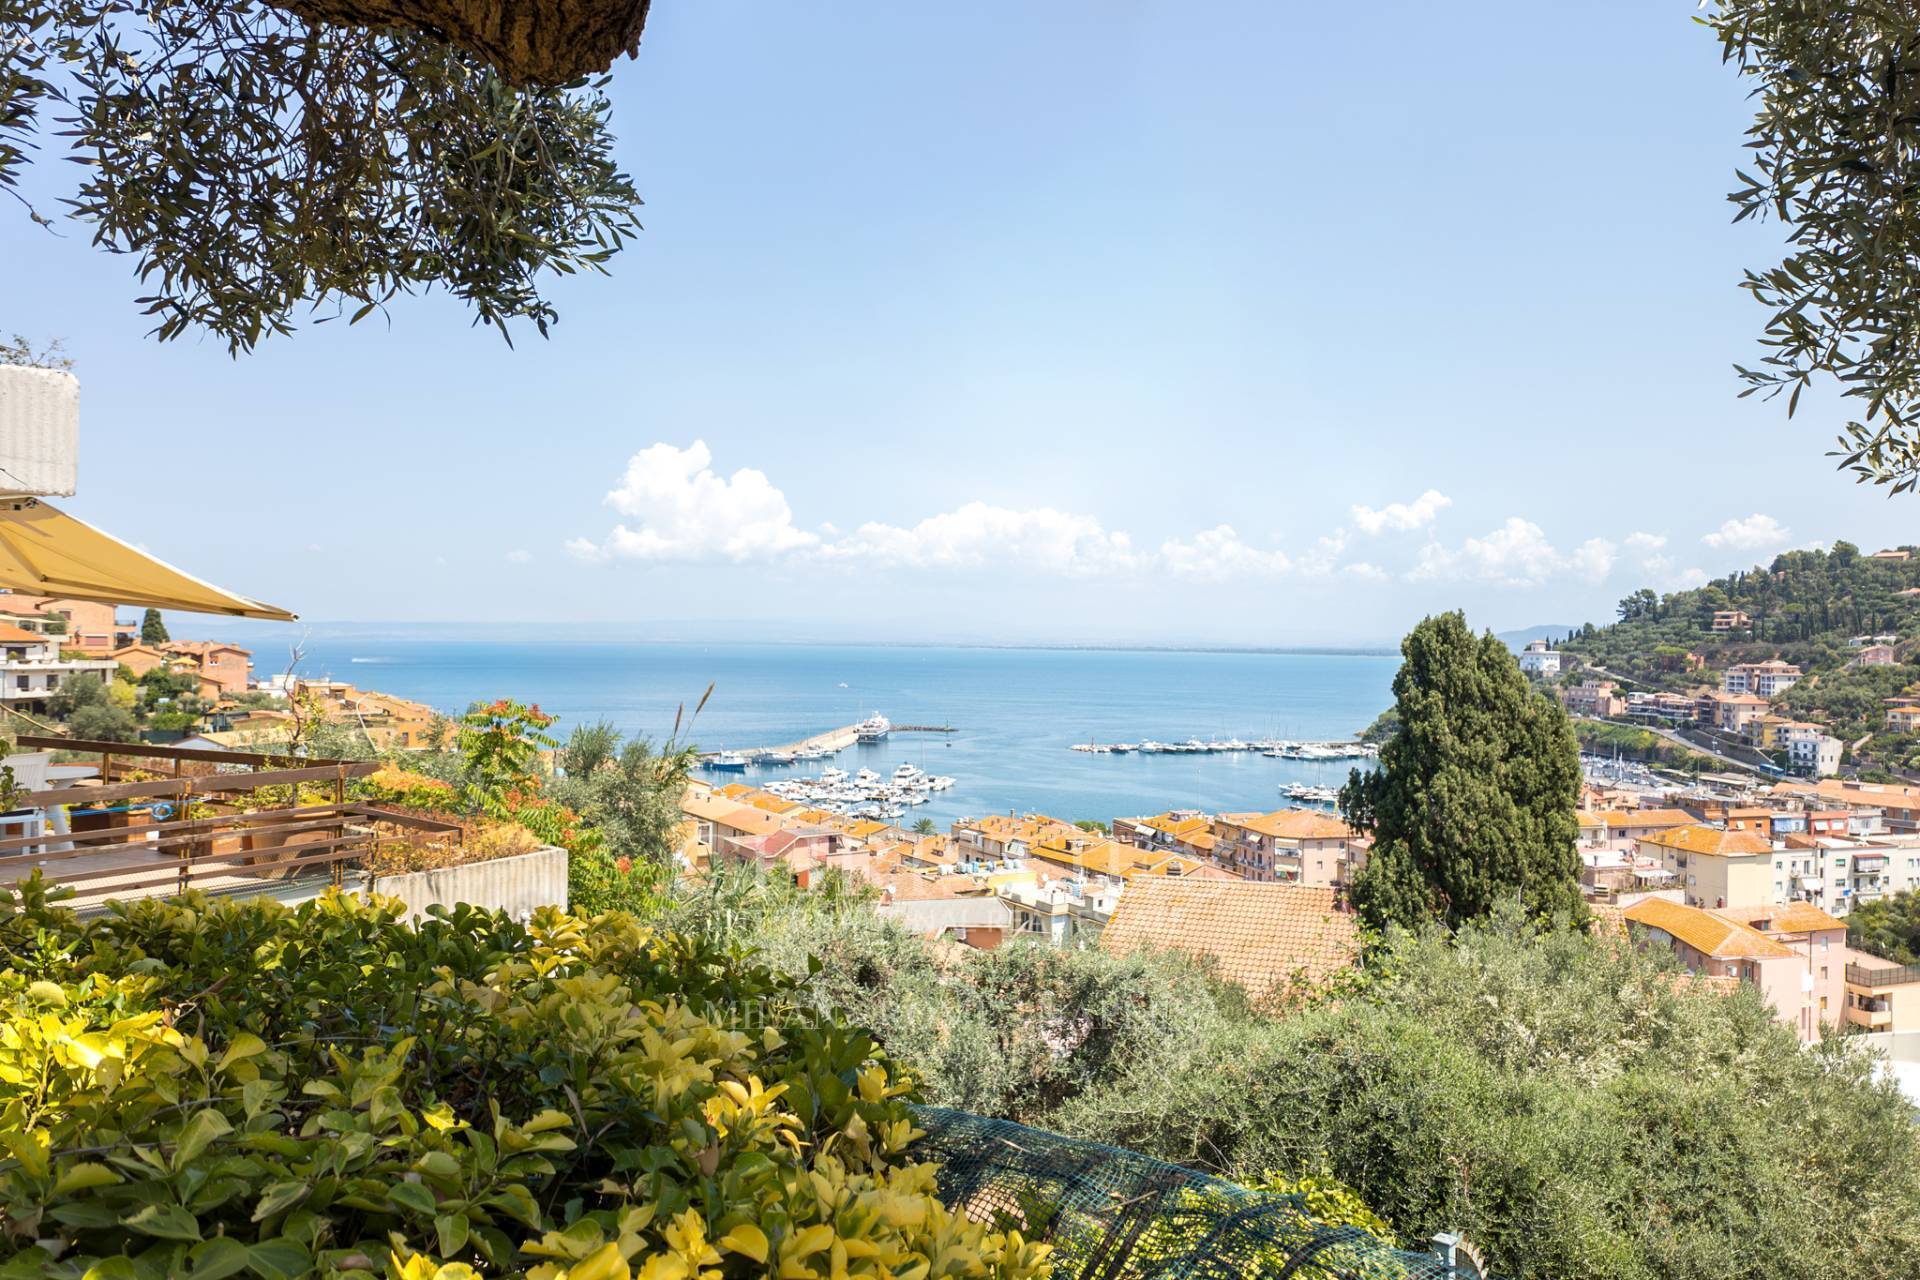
(1834, 159)
(255, 165)
(207, 1089)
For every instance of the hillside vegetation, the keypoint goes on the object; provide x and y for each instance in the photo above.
(1566, 1101)
(1806, 608)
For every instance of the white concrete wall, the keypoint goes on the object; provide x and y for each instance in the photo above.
(515, 885)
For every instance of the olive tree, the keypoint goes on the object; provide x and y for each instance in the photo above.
(1835, 158)
(330, 154)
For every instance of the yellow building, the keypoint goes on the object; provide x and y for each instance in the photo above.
(1882, 995)
(1714, 868)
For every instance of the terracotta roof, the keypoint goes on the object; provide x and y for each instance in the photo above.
(1713, 840)
(1295, 824)
(1705, 932)
(1778, 918)
(1261, 936)
(710, 806)
(1087, 853)
(1644, 817)
(755, 822)
(16, 635)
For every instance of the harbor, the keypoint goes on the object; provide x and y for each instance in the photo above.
(871, 731)
(864, 794)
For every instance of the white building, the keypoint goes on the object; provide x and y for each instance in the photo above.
(1540, 661)
(1813, 753)
(1763, 679)
(32, 670)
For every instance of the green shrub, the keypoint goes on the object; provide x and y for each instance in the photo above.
(202, 1089)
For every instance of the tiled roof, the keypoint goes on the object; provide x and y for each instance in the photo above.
(1261, 936)
(1778, 918)
(1705, 932)
(754, 822)
(1644, 817)
(712, 806)
(1296, 824)
(18, 635)
(1700, 839)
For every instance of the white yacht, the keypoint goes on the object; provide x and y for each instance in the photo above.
(874, 728)
(731, 761)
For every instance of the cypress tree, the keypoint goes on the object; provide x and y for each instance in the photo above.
(152, 629)
(1474, 800)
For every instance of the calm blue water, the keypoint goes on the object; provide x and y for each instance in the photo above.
(1016, 710)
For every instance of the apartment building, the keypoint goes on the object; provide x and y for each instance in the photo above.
(1881, 995)
(1294, 846)
(84, 625)
(1795, 957)
(32, 670)
(1596, 698)
(1763, 679)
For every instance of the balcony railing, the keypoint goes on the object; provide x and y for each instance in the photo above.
(1861, 975)
(130, 834)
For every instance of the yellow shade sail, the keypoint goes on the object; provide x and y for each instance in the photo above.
(45, 552)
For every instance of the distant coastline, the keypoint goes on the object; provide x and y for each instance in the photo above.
(611, 633)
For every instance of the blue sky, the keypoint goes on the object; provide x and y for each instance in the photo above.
(1239, 323)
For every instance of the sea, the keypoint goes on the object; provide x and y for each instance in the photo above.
(1015, 713)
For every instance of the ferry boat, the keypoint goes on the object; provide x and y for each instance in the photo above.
(874, 728)
(730, 761)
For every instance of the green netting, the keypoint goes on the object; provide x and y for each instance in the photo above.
(1113, 1214)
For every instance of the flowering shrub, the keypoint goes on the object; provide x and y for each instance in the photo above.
(205, 1089)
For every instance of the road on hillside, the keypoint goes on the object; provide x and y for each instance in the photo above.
(1675, 738)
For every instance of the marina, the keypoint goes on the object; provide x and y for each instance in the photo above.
(865, 794)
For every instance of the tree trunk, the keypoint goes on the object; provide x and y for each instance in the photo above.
(543, 42)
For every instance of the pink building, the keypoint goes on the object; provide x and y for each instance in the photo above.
(1794, 954)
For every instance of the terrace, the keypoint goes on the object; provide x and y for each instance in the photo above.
(151, 821)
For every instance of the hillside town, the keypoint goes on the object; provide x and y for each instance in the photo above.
(1744, 882)
(208, 689)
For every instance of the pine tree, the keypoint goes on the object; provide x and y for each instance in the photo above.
(152, 629)
(1474, 800)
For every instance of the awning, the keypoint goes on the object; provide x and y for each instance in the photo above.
(45, 552)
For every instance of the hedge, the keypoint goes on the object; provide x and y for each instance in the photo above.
(201, 1089)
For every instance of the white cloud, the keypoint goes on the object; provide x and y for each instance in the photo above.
(519, 557)
(1517, 554)
(1688, 579)
(1320, 560)
(685, 511)
(1756, 532)
(1365, 572)
(1401, 517)
(977, 535)
(1217, 554)
(1645, 544)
